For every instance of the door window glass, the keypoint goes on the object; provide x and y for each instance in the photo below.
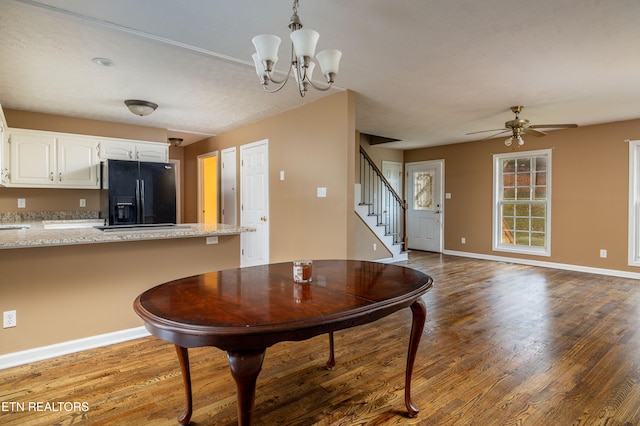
(423, 190)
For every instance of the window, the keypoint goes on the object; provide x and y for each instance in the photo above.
(522, 202)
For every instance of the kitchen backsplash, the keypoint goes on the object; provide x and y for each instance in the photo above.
(10, 217)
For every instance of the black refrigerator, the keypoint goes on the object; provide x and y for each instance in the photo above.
(138, 193)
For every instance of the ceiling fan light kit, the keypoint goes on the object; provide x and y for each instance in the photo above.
(303, 47)
(519, 126)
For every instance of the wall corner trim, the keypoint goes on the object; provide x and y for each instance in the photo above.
(51, 351)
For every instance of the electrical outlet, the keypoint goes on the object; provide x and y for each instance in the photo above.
(83, 202)
(8, 319)
(22, 203)
(375, 247)
(603, 253)
(463, 240)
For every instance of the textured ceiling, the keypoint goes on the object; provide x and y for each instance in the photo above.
(425, 72)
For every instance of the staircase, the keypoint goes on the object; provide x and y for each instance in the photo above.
(381, 208)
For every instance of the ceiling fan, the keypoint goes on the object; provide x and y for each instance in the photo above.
(520, 126)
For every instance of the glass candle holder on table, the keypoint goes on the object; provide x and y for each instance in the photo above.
(302, 271)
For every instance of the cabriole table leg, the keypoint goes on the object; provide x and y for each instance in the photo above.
(183, 357)
(419, 310)
(245, 367)
(331, 362)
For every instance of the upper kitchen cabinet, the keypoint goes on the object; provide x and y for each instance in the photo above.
(157, 152)
(4, 150)
(77, 163)
(114, 149)
(45, 159)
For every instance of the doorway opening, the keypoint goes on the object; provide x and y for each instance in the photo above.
(208, 187)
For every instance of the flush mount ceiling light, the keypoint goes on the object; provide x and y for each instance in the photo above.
(139, 107)
(105, 62)
(303, 47)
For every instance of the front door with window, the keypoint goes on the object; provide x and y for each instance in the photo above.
(424, 205)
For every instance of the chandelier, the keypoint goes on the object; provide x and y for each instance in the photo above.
(303, 47)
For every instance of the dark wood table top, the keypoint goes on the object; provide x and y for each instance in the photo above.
(225, 308)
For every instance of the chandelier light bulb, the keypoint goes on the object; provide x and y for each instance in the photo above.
(508, 141)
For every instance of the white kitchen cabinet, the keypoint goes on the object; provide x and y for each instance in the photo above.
(77, 163)
(157, 152)
(47, 159)
(113, 149)
(32, 158)
(4, 150)
(116, 150)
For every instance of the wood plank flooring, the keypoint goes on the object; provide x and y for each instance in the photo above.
(503, 345)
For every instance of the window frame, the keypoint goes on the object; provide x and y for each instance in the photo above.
(634, 203)
(498, 245)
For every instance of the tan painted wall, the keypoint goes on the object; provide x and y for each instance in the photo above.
(378, 153)
(59, 123)
(590, 189)
(364, 241)
(71, 292)
(69, 199)
(315, 146)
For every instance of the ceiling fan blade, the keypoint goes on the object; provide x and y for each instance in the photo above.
(484, 131)
(499, 133)
(553, 126)
(533, 132)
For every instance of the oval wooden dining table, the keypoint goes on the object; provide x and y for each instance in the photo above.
(244, 311)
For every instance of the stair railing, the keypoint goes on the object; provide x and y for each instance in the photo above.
(383, 201)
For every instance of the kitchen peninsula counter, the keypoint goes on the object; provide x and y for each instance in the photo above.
(70, 285)
(35, 234)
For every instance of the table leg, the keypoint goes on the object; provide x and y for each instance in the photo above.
(183, 356)
(331, 362)
(245, 367)
(419, 310)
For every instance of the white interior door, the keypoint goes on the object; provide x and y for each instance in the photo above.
(392, 171)
(228, 187)
(424, 205)
(254, 204)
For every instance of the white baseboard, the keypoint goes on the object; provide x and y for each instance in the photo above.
(563, 266)
(64, 348)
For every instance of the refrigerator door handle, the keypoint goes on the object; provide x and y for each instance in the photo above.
(137, 200)
(142, 216)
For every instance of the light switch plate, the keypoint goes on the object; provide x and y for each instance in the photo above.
(22, 203)
(322, 192)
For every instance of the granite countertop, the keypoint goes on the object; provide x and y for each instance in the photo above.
(72, 232)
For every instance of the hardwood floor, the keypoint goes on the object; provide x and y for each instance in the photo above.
(503, 345)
